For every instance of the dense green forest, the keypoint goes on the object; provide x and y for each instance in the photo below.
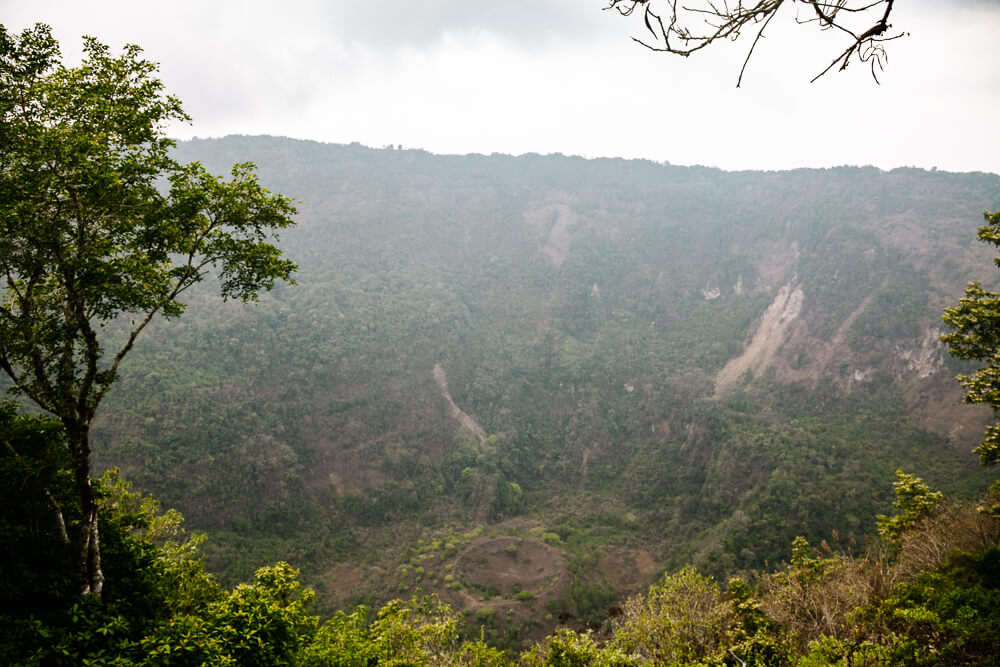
(535, 410)
(545, 411)
(924, 591)
(584, 317)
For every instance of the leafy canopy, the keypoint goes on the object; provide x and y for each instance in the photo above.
(976, 321)
(915, 502)
(160, 607)
(97, 220)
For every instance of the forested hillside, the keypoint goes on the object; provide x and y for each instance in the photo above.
(533, 383)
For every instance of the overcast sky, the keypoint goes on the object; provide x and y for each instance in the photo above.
(546, 76)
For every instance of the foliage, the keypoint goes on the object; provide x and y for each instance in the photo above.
(310, 427)
(586, 597)
(951, 615)
(260, 624)
(915, 502)
(99, 224)
(342, 640)
(565, 648)
(908, 605)
(947, 616)
(897, 606)
(36, 508)
(976, 320)
(160, 606)
(815, 596)
(594, 377)
(683, 619)
(264, 623)
(420, 631)
(817, 599)
(991, 505)
(952, 527)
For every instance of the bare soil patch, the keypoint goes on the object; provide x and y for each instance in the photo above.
(508, 565)
(767, 340)
(630, 571)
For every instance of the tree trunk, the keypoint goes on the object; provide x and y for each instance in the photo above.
(58, 518)
(91, 578)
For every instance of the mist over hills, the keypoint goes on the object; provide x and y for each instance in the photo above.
(614, 366)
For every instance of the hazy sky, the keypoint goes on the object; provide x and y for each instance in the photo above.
(513, 76)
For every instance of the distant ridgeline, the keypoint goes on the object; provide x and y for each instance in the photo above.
(609, 367)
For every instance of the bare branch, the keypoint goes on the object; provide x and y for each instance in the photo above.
(683, 30)
(760, 33)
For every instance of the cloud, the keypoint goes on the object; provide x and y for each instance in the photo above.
(558, 76)
(530, 24)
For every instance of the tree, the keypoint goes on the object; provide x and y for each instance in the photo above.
(160, 606)
(683, 619)
(98, 224)
(683, 30)
(915, 502)
(419, 631)
(976, 320)
(36, 501)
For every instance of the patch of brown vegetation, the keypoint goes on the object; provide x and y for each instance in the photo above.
(938, 407)
(510, 565)
(503, 582)
(343, 583)
(630, 571)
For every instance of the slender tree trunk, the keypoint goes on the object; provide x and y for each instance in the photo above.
(91, 577)
(59, 521)
(58, 516)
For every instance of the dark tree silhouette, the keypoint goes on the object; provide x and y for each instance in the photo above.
(684, 29)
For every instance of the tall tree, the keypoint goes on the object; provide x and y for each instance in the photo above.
(98, 224)
(976, 321)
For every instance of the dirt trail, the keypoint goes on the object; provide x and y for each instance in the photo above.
(767, 340)
(456, 412)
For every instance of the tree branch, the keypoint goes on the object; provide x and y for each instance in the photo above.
(760, 33)
(873, 36)
(688, 29)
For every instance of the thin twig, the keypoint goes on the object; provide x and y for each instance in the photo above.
(752, 47)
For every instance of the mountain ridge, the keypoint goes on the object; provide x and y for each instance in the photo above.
(583, 312)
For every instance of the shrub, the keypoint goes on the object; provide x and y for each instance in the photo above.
(682, 619)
